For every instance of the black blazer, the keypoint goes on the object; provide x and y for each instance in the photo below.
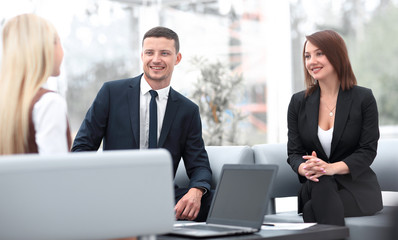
(114, 118)
(355, 137)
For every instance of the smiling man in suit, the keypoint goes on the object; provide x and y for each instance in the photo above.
(145, 112)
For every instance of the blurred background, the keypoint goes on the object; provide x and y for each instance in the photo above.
(241, 59)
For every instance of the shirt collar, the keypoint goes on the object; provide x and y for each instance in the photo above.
(45, 85)
(162, 93)
(49, 86)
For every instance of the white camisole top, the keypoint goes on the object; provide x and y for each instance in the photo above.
(325, 137)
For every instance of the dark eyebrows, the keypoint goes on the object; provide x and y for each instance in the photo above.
(316, 50)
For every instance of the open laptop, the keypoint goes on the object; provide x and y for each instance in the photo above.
(104, 195)
(239, 204)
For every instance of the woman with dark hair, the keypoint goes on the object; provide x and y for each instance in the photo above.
(333, 132)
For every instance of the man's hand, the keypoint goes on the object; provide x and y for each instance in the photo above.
(189, 205)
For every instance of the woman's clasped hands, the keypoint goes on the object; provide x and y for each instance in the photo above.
(314, 167)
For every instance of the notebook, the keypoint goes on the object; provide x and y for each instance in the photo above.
(88, 195)
(239, 203)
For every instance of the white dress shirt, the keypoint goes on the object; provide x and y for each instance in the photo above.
(50, 120)
(145, 98)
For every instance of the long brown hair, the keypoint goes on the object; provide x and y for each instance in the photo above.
(334, 48)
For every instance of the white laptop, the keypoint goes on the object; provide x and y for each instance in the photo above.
(90, 195)
(239, 204)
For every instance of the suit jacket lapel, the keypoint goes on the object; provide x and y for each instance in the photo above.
(343, 107)
(134, 106)
(312, 112)
(171, 111)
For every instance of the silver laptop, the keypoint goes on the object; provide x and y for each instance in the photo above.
(239, 204)
(104, 195)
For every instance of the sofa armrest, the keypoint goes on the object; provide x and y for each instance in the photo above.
(385, 164)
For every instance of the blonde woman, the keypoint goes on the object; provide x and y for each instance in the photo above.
(32, 118)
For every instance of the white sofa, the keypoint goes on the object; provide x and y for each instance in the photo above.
(377, 227)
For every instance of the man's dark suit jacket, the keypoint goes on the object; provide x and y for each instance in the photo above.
(114, 117)
(355, 137)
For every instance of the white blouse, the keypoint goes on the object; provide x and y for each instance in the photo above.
(50, 120)
(325, 137)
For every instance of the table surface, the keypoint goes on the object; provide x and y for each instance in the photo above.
(316, 232)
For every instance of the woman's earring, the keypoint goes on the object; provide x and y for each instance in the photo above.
(314, 81)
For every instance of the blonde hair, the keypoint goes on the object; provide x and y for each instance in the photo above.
(27, 62)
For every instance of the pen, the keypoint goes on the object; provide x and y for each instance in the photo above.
(269, 224)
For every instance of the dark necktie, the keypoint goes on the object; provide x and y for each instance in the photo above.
(153, 121)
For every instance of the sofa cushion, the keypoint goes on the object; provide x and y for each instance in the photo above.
(218, 156)
(373, 227)
(286, 183)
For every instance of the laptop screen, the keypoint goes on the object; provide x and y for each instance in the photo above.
(86, 195)
(242, 195)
